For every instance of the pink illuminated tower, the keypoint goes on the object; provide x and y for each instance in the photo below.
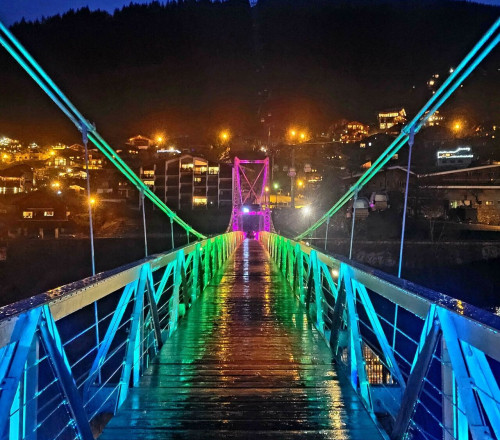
(250, 193)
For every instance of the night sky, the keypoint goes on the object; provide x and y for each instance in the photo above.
(13, 10)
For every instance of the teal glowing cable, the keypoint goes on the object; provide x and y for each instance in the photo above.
(446, 89)
(34, 70)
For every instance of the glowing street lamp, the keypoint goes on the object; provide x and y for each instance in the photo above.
(276, 186)
(224, 135)
(300, 183)
(92, 201)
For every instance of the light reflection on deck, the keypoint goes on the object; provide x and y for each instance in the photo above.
(244, 363)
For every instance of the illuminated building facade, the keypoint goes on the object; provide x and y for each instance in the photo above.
(390, 118)
(189, 182)
(140, 142)
(354, 132)
(435, 119)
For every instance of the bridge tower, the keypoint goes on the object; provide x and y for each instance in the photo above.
(251, 194)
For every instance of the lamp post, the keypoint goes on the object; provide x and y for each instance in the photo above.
(276, 187)
(294, 136)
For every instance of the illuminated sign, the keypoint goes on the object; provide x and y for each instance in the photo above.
(168, 150)
(459, 153)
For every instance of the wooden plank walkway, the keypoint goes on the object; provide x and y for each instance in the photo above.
(244, 363)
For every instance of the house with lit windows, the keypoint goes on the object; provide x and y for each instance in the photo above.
(41, 213)
(16, 179)
(390, 118)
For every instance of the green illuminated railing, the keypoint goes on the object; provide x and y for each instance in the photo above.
(425, 364)
(62, 370)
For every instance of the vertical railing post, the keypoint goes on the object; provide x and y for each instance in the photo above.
(26, 400)
(144, 223)
(206, 263)
(448, 385)
(31, 390)
(175, 300)
(172, 232)
(357, 361)
(194, 273)
(299, 262)
(326, 231)
(133, 342)
(353, 222)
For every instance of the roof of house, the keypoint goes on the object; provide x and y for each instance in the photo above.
(16, 170)
(461, 170)
(40, 199)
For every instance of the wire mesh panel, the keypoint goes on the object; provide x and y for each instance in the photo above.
(424, 364)
(69, 356)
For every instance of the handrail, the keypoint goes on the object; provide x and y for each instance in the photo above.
(70, 368)
(405, 348)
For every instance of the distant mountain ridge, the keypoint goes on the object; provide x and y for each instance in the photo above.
(192, 66)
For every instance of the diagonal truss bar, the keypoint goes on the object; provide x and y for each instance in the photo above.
(468, 64)
(35, 71)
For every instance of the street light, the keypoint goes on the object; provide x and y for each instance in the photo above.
(276, 187)
(294, 135)
(224, 135)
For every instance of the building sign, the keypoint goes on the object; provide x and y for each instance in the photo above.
(459, 153)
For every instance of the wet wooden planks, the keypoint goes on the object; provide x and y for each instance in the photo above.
(244, 363)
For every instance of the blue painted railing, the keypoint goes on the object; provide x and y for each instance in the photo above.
(425, 365)
(62, 376)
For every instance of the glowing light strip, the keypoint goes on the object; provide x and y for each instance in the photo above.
(453, 154)
(35, 71)
(434, 103)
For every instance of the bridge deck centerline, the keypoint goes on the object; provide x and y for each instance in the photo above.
(244, 362)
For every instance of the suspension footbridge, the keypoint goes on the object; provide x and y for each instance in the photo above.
(235, 336)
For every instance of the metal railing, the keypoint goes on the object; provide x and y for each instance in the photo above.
(425, 365)
(64, 371)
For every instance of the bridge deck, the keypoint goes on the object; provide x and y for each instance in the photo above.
(244, 363)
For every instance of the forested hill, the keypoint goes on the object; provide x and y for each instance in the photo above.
(191, 66)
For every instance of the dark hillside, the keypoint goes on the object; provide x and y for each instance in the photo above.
(192, 66)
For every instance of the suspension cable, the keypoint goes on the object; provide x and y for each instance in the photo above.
(456, 78)
(35, 71)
